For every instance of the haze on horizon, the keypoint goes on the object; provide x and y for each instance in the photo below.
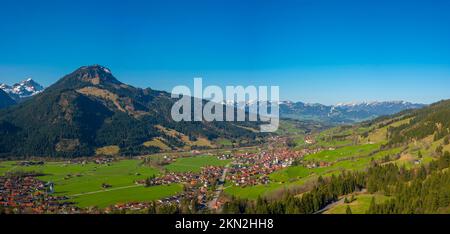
(317, 51)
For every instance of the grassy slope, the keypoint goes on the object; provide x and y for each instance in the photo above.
(359, 206)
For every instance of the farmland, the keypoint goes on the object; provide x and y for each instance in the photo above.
(82, 183)
(194, 164)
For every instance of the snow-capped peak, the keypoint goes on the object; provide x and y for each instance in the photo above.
(23, 89)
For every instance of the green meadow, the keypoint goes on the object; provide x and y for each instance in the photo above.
(194, 164)
(83, 183)
(343, 153)
(360, 205)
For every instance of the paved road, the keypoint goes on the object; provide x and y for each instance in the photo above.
(219, 189)
(105, 190)
(329, 206)
(340, 201)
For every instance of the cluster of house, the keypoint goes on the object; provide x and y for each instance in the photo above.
(30, 195)
(318, 164)
(103, 160)
(189, 193)
(309, 139)
(197, 184)
(224, 156)
(204, 178)
(253, 168)
(130, 206)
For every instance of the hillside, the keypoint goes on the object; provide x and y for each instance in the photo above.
(5, 100)
(431, 121)
(421, 134)
(90, 109)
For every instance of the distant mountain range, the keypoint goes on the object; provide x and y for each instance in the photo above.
(343, 113)
(90, 109)
(22, 90)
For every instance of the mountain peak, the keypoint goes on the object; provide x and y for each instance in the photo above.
(23, 89)
(95, 74)
(96, 67)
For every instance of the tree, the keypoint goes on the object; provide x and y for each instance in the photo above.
(439, 149)
(348, 210)
(372, 206)
(446, 140)
(346, 200)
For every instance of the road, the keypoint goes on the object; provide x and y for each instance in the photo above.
(105, 190)
(212, 204)
(329, 206)
(340, 201)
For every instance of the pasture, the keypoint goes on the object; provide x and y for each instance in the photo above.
(194, 164)
(83, 183)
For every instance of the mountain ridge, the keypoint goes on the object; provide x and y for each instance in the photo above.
(22, 90)
(5, 100)
(344, 113)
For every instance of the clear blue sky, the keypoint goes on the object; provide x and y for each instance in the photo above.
(316, 51)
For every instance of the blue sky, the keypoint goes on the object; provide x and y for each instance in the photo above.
(316, 51)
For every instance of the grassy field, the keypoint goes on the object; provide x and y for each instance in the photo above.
(290, 173)
(251, 192)
(157, 142)
(108, 150)
(343, 153)
(194, 164)
(224, 142)
(129, 194)
(83, 183)
(325, 138)
(359, 206)
(203, 142)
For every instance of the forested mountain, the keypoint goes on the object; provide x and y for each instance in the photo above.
(433, 120)
(5, 100)
(90, 108)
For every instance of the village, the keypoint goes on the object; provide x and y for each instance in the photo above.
(26, 194)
